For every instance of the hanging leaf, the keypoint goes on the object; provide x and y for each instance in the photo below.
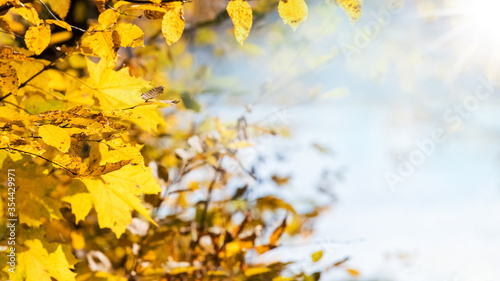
(37, 38)
(293, 12)
(241, 15)
(317, 256)
(277, 233)
(352, 8)
(108, 18)
(59, 23)
(172, 25)
(101, 5)
(60, 7)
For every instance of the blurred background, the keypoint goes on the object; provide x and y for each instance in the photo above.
(394, 116)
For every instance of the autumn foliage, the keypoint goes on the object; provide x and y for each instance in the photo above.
(110, 183)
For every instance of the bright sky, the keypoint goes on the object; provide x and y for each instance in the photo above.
(422, 72)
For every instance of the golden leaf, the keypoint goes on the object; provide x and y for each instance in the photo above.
(104, 44)
(59, 23)
(277, 233)
(55, 136)
(60, 7)
(108, 18)
(8, 78)
(77, 240)
(81, 204)
(37, 38)
(154, 15)
(172, 25)
(115, 195)
(256, 271)
(28, 14)
(317, 256)
(4, 25)
(100, 4)
(37, 264)
(352, 272)
(352, 8)
(293, 12)
(115, 89)
(241, 15)
(8, 53)
(130, 35)
(264, 248)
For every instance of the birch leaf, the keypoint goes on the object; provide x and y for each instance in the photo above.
(352, 9)
(28, 14)
(241, 15)
(172, 25)
(60, 7)
(293, 12)
(37, 38)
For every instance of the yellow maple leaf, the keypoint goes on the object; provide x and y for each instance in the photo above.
(172, 25)
(81, 204)
(55, 136)
(37, 264)
(293, 12)
(60, 7)
(130, 35)
(241, 15)
(352, 8)
(147, 117)
(37, 38)
(115, 195)
(115, 89)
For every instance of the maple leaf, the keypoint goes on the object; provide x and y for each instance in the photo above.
(241, 15)
(114, 196)
(37, 38)
(293, 12)
(115, 89)
(55, 136)
(37, 264)
(172, 25)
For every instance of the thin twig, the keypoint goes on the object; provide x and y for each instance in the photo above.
(36, 155)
